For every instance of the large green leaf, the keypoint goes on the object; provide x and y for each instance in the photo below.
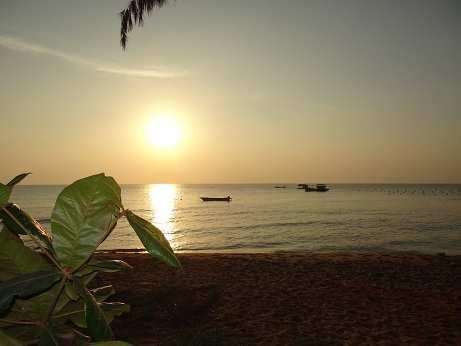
(17, 179)
(6, 340)
(36, 308)
(153, 239)
(5, 192)
(16, 258)
(39, 305)
(18, 221)
(26, 285)
(96, 322)
(85, 213)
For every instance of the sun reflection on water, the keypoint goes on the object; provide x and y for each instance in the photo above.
(163, 200)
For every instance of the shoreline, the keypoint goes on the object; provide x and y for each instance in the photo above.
(289, 298)
(276, 252)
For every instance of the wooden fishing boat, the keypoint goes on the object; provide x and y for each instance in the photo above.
(216, 199)
(317, 188)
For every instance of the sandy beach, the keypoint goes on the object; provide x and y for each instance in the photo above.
(289, 299)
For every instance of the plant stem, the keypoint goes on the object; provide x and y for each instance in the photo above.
(53, 305)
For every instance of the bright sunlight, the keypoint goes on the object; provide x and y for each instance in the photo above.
(163, 132)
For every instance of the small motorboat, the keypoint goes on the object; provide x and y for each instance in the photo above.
(302, 186)
(280, 186)
(216, 199)
(317, 188)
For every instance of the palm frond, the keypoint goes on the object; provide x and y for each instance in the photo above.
(133, 15)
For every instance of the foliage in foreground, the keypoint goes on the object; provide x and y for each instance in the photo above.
(44, 298)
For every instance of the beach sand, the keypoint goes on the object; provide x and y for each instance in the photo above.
(289, 299)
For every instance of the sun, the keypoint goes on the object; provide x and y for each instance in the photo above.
(163, 132)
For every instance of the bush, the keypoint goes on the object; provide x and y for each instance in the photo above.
(44, 297)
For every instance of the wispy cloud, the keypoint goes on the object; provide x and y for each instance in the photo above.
(107, 67)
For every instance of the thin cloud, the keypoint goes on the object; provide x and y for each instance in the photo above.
(23, 46)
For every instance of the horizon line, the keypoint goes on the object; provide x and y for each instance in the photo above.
(265, 183)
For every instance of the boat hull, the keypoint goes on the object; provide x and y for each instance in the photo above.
(216, 199)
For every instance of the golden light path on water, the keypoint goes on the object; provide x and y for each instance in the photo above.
(163, 201)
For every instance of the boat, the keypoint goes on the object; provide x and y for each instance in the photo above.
(216, 199)
(279, 186)
(302, 186)
(317, 188)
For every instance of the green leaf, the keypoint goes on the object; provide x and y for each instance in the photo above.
(96, 322)
(16, 258)
(102, 293)
(84, 215)
(17, 179)
(153, 239)
(80, 339)
(71, 292)
(6, 340)
(23, 333)
(76, 313)
(62, 334)
(70, 289)
(24, 286)
(107, 266)
(48, 338)
(75, 310)
(18, 221)
(5, 192)
(36, 308)
(113, 309)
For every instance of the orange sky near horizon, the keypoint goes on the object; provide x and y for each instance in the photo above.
(260, 92)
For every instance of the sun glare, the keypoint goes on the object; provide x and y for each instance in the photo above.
(163, 132)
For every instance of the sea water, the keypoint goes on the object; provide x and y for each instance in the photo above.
(261, 218)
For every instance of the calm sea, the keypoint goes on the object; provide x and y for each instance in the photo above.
(261, 218)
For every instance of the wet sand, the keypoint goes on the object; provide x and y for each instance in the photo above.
(290, 299)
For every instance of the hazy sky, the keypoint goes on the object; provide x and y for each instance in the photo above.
(264, 90)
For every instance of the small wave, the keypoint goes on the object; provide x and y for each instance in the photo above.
(236, 246)
(271, 225)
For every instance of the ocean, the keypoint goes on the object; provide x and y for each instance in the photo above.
(261, 218)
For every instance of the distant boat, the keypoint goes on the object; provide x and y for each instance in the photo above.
(279, 186)
(216, 199)
(317, 188)
(302, 186)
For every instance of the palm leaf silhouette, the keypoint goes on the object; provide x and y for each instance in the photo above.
(134, 14)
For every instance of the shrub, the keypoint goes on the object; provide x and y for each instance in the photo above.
(44, 298)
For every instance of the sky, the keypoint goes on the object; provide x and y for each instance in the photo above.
(264, 91)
